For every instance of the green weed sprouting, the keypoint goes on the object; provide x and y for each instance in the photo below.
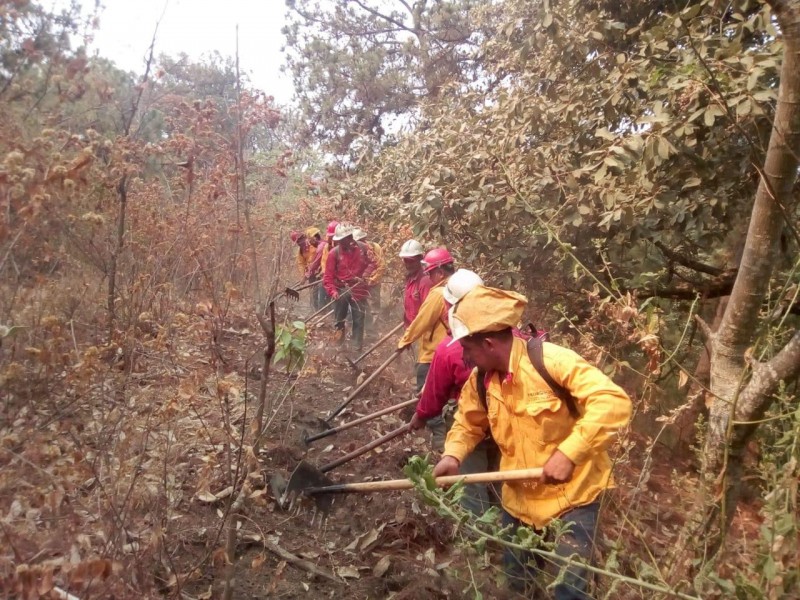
(290, 342)
(477, 532)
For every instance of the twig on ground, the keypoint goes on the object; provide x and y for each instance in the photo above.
(306, 565)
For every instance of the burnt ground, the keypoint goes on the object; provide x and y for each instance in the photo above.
(114, 483)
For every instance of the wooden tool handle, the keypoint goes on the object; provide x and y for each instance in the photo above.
(366, 448)
(405, 484)
(298, 288)
(367, 381)
(319, 319)
(364, 419)
(378, 344)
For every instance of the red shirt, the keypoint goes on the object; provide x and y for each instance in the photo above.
(343, 268)
(417, 288)
(447, 376)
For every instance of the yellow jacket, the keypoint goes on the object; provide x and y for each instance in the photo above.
(529, 423)
(380, 269)
(304, 258)
(325, 251)
(428, 325)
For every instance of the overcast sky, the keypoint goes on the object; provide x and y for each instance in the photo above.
(197, 27)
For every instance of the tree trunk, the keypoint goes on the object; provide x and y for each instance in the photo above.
(735, 398)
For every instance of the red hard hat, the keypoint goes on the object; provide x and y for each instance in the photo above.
(436, 258)
(295, 235)
(332, 227)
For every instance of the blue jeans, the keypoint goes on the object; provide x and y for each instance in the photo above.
(521, 567)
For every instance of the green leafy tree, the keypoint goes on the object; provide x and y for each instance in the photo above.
(356, 64)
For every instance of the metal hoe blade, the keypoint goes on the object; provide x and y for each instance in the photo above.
(304, 476)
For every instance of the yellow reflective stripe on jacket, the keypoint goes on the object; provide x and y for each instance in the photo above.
(427, 325)
(529, 423)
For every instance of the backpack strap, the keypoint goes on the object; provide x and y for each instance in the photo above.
(536, 355)
(481, 385)
(538, 333)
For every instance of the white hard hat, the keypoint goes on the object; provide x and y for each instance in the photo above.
(411, 249)
(342, 231)
(359, 234)
(460, 283)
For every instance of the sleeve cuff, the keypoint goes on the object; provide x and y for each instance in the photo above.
(457, 450)
(575, 448)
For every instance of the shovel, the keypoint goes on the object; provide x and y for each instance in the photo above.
(305, 474)
(392, 357)
(322, 490)
(377, 344)
(308, 439)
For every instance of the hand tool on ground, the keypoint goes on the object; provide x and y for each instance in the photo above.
(392, 357)
(319, 487)
(372, 348)
(307, 439)
(305, 472)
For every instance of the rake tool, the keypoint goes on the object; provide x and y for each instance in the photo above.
(308, 439)
(372, 348)
(306, 474)
(293, 292)
(311, 482)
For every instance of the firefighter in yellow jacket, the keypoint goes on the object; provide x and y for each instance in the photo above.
(307, 243)
(430, 324)
(533, 427)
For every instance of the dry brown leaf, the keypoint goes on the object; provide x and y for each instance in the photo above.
(206, 496)
(276, 578)
(219, 557)
(91, 570)
(382, 566)
(258, 561)
(348, 573)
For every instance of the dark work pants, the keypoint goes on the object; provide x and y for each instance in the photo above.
(521, 567)
(422, 375)
(319, 296)
(344, 303)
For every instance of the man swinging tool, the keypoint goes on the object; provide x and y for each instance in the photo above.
(545, 407)
(448, 374)
(418, 284)
(430, 325)
(348, 269)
